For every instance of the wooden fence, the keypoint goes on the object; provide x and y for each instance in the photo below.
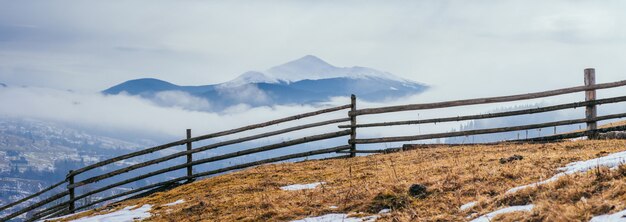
(65, 200)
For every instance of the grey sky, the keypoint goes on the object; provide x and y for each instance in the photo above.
(473, 48)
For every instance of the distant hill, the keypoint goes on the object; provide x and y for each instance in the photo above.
(305, 80)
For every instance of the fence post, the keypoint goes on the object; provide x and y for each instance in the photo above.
(71, 191)
(189, 157)
(352, 115)
(591, 110)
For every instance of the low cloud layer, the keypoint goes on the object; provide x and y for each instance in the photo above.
(134, 115)
(181, 99)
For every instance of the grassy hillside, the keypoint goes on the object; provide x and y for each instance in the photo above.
(453, 176)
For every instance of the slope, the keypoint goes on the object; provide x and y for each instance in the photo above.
(453, 176)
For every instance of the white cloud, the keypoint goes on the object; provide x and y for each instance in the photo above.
(248, 94)
(131, 113)
(181, 99)
(452, 44)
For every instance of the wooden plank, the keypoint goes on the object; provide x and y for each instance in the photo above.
(189, 156)
(363, 151)
(337, 157)
(204, 148)
(49, 211)
(34, 206)
(591, 111)
(208, 136)
(571, 135)
(241, 166)
(494, 115)
(31, 196)
(553, 138)
(70, 189)
(213, 159)
(487, 100)
(352, 125)
(275, 159)
(59, 213)
(484, 131)
(157, 185)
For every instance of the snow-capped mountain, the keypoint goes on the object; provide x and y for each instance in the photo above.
(305, 80)
(248, 78)
(313, 68)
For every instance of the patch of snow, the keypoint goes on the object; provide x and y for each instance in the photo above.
(488, 217)
(616, 217)
(337, 218)
(333, 207)
(174, 203)
(578, 138)
(124, 215)
(467, 206)
(384, 211)
(302, 186)
(611, 161)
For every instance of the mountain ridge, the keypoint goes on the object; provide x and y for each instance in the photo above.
(302, 81)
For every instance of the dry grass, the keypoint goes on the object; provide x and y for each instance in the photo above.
(612, 124)
(573, 198)
(454, 176)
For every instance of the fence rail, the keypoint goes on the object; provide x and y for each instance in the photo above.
(61, 202)
(489, 100)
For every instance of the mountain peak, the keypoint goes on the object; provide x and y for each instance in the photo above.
(311, 59)
(250, 77)
(307, 67)
(308, 61)
(139, 85)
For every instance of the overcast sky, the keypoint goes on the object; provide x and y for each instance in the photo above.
(468, 47)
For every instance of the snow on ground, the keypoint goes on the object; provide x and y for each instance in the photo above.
(616, 217)
(174, 203)
(578, 138)
(128, 214)
(343, 218)
(611, 161)
(384, 211)
(337, 218)
(467, 206)
(302, 186)
(488, 217)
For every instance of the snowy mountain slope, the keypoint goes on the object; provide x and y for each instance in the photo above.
(313, 68)
(250, 77)
(305, 80)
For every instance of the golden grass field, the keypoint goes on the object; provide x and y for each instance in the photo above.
(453, 175)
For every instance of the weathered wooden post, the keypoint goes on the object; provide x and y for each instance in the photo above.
(189, 157)
(71, 191)
(591, 111)
(352, 115)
